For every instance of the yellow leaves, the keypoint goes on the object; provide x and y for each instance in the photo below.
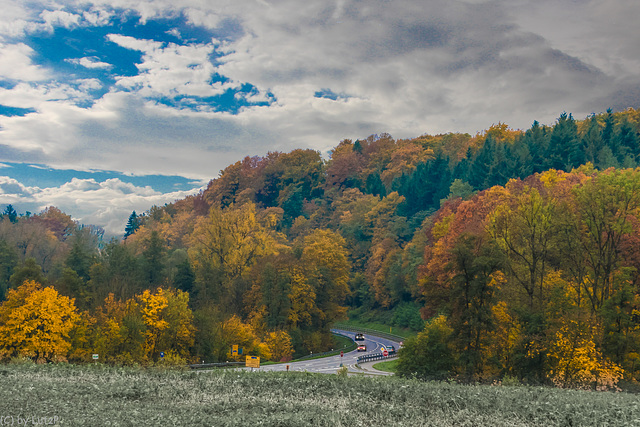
(441, 228)
(151, 307)
(325, 261)
(235, 332)
(303, 301)
(279, 344)
(577, 362)
(137, 330)
(36, 323)
(502, 133)
(552, 177)
(506, 334)
(231, 240)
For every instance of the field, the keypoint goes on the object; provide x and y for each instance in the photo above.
(102, 396)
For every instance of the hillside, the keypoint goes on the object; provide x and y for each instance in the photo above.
(518, 245)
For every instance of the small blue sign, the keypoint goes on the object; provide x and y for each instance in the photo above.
(162, 354)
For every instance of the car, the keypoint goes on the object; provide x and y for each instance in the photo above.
(391, 349)
(362, 347)
(359, 337)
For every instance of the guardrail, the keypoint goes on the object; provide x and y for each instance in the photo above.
(346, 349)
(392, 337)
(376, 356)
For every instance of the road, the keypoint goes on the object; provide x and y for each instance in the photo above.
(330, 365)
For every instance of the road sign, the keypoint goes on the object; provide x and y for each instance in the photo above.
(95, 357)
(162, 354)
(341, 353)
(385, 353)
(252, 362)
(234, 350)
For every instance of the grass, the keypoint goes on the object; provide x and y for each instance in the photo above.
(343, 342)
(99, 395)
(406, 333)
(387, 366)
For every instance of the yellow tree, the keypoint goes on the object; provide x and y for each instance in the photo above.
(179, 334)
(224, 247)
(151, 307)
(279, 343)
(36, 323)
(327, 268)
(303, 301)
(120, 331)
(575, 361)
(236, 332)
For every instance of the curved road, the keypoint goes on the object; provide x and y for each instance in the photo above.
(330, 365)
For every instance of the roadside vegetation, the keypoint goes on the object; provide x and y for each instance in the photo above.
(387, 366)
(103, 395)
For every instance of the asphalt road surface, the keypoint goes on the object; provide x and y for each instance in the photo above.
(330, 365)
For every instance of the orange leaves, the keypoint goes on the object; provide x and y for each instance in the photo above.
(36, 323)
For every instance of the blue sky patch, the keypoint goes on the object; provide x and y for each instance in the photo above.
(329, 94)
(41, 176)
(15, 111)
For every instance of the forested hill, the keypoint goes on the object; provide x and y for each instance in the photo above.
(535, 228)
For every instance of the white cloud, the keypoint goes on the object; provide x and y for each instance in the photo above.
(59, 18)
(171, 69)
(15, 63)
(406, 67)
(107, 204)
(90, 62)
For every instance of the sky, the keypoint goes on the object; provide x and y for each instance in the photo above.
(110, 106)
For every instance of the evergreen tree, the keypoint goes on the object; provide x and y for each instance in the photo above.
(592, 141)
(500, 169)
(519, 158)
(133, 223)
(8, 261)
(625, 139)
(375, 186)
(10, 213)
(184, 277)
(481, 164)
(79, 260)
(565, 152)
(607, 132)
(154, 259)
(537, 141)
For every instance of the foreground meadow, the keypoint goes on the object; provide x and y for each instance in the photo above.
(106, 396)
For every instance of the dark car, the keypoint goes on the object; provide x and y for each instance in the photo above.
(359, 337)
(362, 347)
(391, 349)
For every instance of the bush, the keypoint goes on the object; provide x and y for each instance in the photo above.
(429, 355)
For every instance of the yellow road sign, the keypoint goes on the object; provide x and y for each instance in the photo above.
(234, 350)
(253, 362)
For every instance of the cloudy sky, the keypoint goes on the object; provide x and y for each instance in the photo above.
(108, 106)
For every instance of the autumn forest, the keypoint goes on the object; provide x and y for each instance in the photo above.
(511, 253)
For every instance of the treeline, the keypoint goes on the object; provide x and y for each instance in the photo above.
(284, 245)
(537, 280)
